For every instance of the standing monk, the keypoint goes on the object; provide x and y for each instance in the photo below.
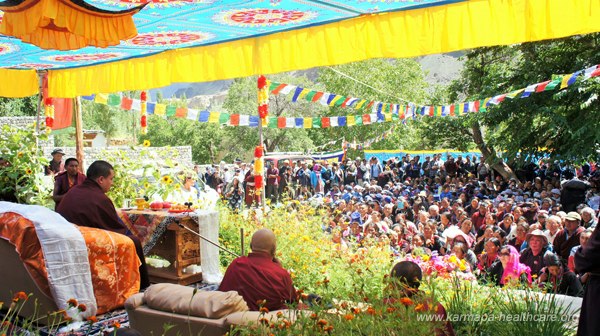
(87, 205)
(66, 180)
(587, 259)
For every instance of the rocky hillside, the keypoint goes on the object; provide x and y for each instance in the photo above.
(441, 69)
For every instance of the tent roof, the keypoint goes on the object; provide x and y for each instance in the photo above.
(205, 40)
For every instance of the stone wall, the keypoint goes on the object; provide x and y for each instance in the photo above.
(183, 154)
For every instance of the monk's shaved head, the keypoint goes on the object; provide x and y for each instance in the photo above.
(264, 240)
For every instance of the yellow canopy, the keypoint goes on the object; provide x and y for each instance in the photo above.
(399, 34)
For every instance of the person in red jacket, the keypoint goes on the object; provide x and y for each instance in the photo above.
(259, 277)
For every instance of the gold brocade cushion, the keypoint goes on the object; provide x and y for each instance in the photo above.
(182, 300)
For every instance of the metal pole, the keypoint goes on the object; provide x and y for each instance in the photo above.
(206, 239)
(242, 241)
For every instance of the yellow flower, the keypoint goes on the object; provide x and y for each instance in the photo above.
(425, 257)
(28, 171)
(166, 179)
(20, 154)
(177, 186)
(146, 143)
(146, 185)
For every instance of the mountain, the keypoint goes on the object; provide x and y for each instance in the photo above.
(440, 69)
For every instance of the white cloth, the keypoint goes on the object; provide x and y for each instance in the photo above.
(208, 221)
(65, 254)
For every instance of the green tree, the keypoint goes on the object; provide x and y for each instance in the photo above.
(13, 107)
(392, 81)
(242, 99)
(557, 125)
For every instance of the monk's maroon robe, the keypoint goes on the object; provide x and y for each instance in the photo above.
(86, 204)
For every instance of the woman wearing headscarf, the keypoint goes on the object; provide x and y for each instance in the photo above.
(513, 271)
(316, 180)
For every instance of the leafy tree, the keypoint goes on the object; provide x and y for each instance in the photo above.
(12, 107)
(556, 125)
(393, 81)
(242, 99)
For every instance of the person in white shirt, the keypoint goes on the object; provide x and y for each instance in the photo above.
(187, 192)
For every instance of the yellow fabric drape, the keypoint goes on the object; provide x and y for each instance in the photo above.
(410, 33)
(18, 83)
(62, 25)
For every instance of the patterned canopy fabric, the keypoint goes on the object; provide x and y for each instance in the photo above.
(203, 40)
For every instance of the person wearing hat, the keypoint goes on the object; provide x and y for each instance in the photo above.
(56, 165)
(568, 237)
(533, 256)
(558, 279)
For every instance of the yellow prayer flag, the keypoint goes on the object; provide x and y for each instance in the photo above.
(335, 99)
(350, 120)
(160, 109)
(101, 98)
(214, 117)
(388, 116)
(307, 122)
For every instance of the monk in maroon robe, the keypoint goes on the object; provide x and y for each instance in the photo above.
(259, 276)
(66, 180)
(86, 204)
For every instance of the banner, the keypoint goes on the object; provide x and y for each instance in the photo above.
(384, 155)
(329, 157)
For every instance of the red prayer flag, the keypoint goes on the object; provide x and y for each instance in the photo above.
(234, 120)
(452, 109)
(325, 122)
(366, 119)
(542, 86)
(126, 103)
(317, 96)
(181, 112)
(280, 122)
(278, 89)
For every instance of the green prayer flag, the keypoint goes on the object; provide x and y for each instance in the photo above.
(171, 110)
(224, 118)
(552, 85)
(358, 119)
(273, 86)
(316, 123)
(272, 122)
(113, 100)
(309, 96)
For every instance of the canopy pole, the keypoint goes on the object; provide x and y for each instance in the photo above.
(78, 133)
(40, 76)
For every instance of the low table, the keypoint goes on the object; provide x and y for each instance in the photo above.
(161, 235)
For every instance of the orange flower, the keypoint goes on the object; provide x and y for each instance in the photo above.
(81, 307)
(261, 303)
(344, 305)
(264, 321)
(117, 325)
(356, 310)
(264, 310)
(20, 296)
(328, 329)
(349, 317)
(322, 322)
(371, 311)
(279, 314)
(92, 319)
(406, 301)
(72, 303)
(420, 307)
(390, 309)
(313, 316)
(304, 296)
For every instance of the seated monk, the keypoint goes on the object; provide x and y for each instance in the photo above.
(87, 205)
(66, 180)
(259, 276)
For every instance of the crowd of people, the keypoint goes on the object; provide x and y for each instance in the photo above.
(525, 229)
